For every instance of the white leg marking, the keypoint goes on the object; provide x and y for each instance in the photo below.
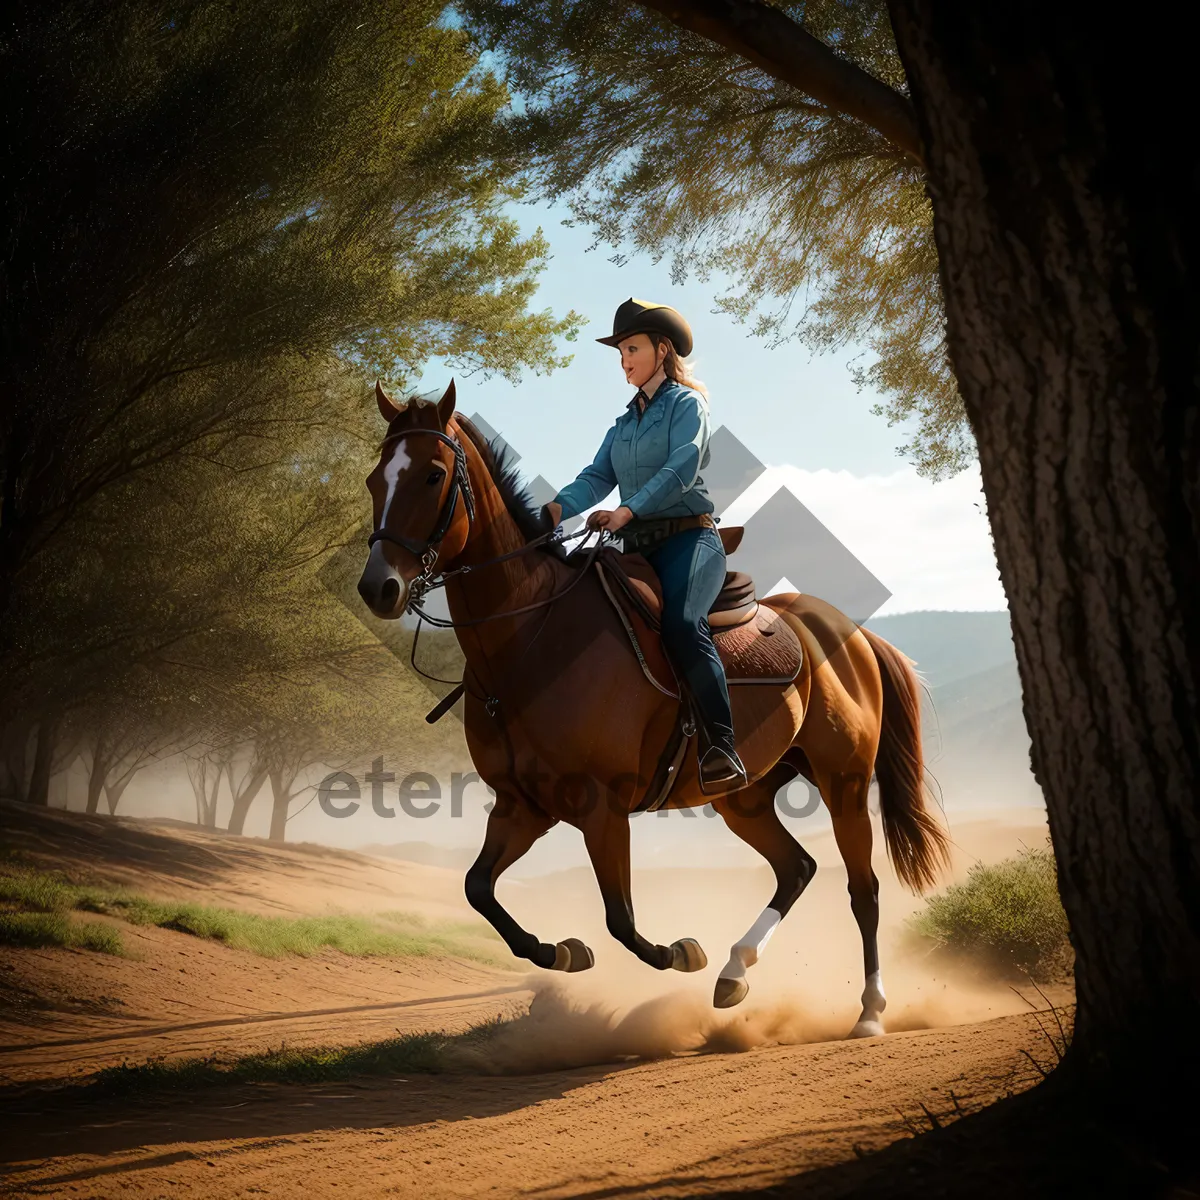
(873, 996)
(870, 1024)
(391, 473)
(745, 953)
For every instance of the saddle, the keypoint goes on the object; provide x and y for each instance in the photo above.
(756, 645)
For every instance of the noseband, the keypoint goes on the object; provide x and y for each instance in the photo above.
(427, 551)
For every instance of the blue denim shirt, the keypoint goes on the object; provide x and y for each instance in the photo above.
(655, 462)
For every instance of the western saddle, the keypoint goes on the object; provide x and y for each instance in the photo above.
(632, 573)
(756, 645)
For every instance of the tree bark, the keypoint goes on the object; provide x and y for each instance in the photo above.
(785, 50)
(1066, 218)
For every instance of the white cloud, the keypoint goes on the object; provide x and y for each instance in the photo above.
(928, 543)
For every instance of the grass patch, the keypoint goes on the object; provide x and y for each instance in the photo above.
(36, 891)
(1006, 917)
(36, 930)
(413, 1053)
(36, 900)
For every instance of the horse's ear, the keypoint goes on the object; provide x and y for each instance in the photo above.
(388, 408)
(446, 405)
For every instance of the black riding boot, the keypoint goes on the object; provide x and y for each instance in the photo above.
(721, 769)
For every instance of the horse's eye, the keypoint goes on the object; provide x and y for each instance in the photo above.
(435, 477)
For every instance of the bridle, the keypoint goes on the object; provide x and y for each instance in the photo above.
(427, 551)
(460, 484)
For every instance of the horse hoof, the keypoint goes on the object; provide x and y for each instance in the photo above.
(729, 992)
(572, 955)
(867, 1029)
(688, 955)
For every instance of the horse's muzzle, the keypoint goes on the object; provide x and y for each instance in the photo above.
(381, 586)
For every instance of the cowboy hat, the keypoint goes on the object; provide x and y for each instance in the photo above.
(642, 316)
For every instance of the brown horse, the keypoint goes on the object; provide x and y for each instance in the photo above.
(562, 723)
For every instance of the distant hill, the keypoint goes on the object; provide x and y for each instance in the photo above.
(456, 858)
(976, 746)
(949, 646)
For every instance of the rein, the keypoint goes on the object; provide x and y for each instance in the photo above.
(439, 581)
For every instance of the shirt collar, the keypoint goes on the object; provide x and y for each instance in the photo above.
(650, 388)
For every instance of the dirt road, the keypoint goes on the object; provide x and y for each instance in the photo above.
(682, 1126)
(618, 1082)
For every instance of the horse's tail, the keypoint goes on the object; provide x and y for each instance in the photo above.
(916, 842)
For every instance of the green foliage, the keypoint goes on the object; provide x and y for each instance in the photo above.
(676, 147)
(42, 900)
(1008, 916)
(221, 222)
(38, 930)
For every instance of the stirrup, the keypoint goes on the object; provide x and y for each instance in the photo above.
(721, 767)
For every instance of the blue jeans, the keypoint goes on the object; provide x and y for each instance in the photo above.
(691, 567)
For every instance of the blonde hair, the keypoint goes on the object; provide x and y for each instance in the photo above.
(677, 368)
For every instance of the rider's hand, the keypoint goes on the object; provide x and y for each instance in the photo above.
(610, 519)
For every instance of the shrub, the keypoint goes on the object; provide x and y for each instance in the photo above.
(1007, 917)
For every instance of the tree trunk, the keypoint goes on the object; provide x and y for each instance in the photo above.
(281, 799)
(115, 790)
(15, 745)
(209, 820)
(243, 800)
(1066, 217)
(96, 782)
(43, 760)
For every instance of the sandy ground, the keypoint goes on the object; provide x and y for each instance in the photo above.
(620, 1081)
(184, 998)
(680, 1126)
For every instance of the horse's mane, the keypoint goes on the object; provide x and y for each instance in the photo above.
(528, 515)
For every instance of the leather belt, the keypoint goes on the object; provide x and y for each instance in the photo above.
(641, 536)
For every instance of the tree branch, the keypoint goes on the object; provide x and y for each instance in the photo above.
(785, 50)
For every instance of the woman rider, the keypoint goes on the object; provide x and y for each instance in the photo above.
(654, 454)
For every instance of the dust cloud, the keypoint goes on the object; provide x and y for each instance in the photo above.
(566, 1027)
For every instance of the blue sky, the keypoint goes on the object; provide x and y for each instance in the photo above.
(786, 398)
(799, 413)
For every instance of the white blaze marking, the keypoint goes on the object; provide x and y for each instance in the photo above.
(745, 953)
(391, 473)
